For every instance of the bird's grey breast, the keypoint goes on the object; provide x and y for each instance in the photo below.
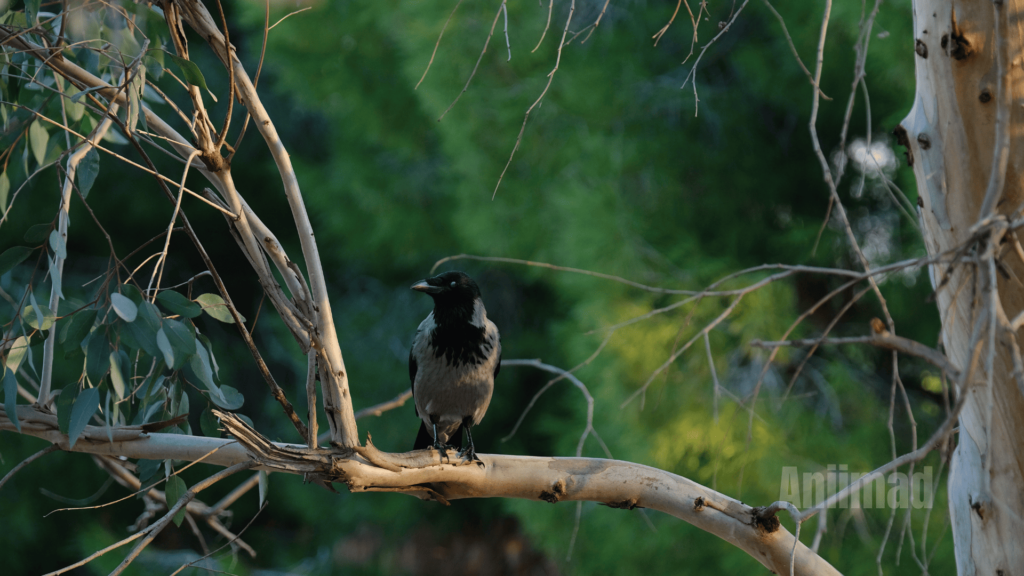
(455, 369)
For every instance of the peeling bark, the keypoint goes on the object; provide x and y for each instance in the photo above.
(952, 134)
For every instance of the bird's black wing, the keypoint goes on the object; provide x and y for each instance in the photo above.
(412, 377)
(497, 367)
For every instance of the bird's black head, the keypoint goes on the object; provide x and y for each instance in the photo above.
(449, 289)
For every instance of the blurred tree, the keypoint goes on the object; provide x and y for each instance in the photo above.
(613, 174)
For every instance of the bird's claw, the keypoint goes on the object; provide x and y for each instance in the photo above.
(443, 448)
(469, 454)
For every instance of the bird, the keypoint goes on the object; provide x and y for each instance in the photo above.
(455, 356)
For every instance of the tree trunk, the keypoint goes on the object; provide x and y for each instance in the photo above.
(962, 135)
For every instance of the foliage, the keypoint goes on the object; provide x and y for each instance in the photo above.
(615, 174)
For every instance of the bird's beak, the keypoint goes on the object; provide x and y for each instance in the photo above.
(422, 286)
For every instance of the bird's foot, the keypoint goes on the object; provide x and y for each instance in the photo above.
(443, 448)
(469, 454)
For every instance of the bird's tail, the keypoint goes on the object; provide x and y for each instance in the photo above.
(425, 439)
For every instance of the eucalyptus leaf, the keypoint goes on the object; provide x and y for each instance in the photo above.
(177, 303)
(38, 139)
(233, 399)
(55, 277)
(79, 95)
(38, 316)
(87, 403)
(64, 402)
(79, 326)
(5, 190)
(11, 398)
(209, 424)
(116, 378)
(124, 307)
(191, 72)
(88, 169)
(174, 490)
(37, 233)
(17, 353)
(264, 482)
(31, 11)
(75, 108)
(12, 257)
(132, 292)
(97, 358)
(58, 245)
(180, 338)
(165, 346)
(146, 469)
(215, 306)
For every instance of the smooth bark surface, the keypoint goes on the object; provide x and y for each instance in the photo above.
(964, 131)
(424, 474)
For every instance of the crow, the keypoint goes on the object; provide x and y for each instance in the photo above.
(454, 359)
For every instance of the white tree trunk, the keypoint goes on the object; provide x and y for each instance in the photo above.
(951, 136)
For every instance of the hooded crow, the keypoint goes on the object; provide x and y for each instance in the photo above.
(455, 356)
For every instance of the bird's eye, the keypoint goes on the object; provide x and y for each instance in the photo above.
(453, 284)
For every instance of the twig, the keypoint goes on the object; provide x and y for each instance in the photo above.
(886, 340)
(478, 60)
(289, 15)
(551, 4)
(27, 461)
(151, 532)
(576, 382)
(693, 71)
(526, 117)
(438, 43)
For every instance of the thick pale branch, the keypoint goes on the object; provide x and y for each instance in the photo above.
(615, 483)
(337, 399)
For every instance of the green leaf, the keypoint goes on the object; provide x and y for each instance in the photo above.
(5, 190)
(37, 233)
(17, 353)
(182, 405)
(132, 292)
(155, 64)
(133, 104)
(192, 74)
(174, 490)
(87, 403)
(264, 482)
(147, 468)
(88, 169)
(209, 423)
(124, 307)
(177, 303)
(78, 96)
(215, 306)
(38, 316)
(97, 357)
(200, 365)
(180, 338)
(12, 257)
(143, 330)
(116, 378)
(64, 402)
(165, 347)
(75, 108)
(233, 399)
(31, 12)
(75, 330)
(57, 244)
(11, 398)
(38, 138)
(55, 277)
